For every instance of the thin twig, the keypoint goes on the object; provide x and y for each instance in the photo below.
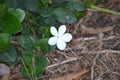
(60, 63)
(63, 54)
(94, 61)
(94, 38)
(101, 52)
(92, 67)
(97, 56)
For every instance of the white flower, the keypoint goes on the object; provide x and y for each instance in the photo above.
(59, 37)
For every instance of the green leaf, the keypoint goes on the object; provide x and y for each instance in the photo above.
(32, 64)
(40, 63)
(28, 53)
(45, 48)
(46, 11)
(4, 41)
(47, 32)
(9, 56)
(45, 21)
(51, 21)
(24, 73)
(2, 1)
(19, 13)
(59, 1)
(76, 6)
(79, 14)
(44, 32)
(44, 3)
(3, 10)
(98, 1)
(11, 3)
(27, 59)
(27, 42)
(10, 24)
(64, 15)
(26, 31)
(32, 5)
(31, 19)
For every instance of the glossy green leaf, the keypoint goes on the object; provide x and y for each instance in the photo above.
(45, 48)
(27, 42)
(19, 13)
(41, 62)
(3, 10)
(4, 41)
(64, 15)
(9, 56)
(76, 6)
(10, 24)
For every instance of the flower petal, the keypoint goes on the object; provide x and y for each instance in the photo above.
(67, 37)
(62, 30)
(52, 41)
(53, 31)
(61, 45)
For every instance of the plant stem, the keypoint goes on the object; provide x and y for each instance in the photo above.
(26, 68)
(34, 67)
(104, 10)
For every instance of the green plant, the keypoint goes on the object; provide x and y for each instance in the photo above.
(33, 66)
(10, 24)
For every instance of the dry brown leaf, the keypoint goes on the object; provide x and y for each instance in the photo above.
(5, 77)
(65, 77)
(86, 30)
(73, 76)
(80, 74)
